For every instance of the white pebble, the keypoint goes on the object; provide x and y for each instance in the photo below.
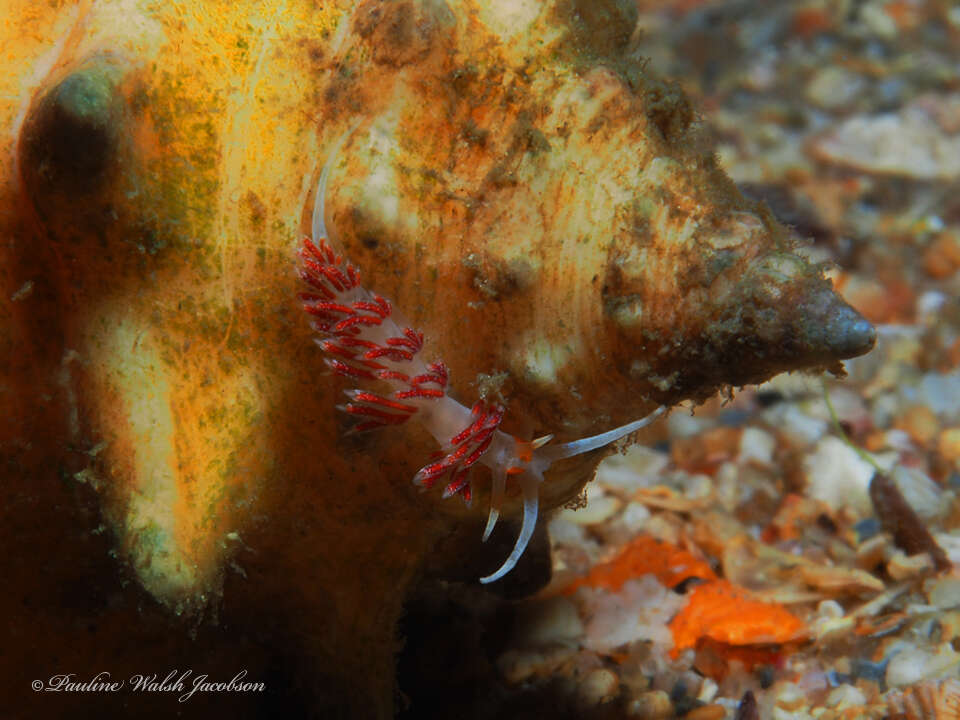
(944, 592)
(838, 476)
(941, 393)
(799, 427)
(682, 424)
(950, 542)
(599, 686)
(698, 487)
(930, 303)
(757, 445)
(634, 515)
(846, 696)
(829, 609)
(913, 664)
(708, 690)
(600, 507)
(639, 467)
(878, 20)
(832, 87)
(906, 143)
(920, 492)
(564, 532)
(554, 621)
(639, 611)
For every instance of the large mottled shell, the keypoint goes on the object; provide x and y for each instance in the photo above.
(512, 178)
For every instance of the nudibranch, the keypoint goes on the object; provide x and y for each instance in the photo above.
(362, 339)
(364, 342)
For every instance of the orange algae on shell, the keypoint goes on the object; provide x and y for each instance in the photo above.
(722, 612)
(646, 555)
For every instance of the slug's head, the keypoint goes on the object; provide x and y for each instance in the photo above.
(527, 465)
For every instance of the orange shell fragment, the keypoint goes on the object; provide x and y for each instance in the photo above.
(646, 555)
(725, 613)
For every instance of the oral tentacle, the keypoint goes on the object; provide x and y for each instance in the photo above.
(594, 442)
(497, 489)
(318, 225)
(531, 501)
